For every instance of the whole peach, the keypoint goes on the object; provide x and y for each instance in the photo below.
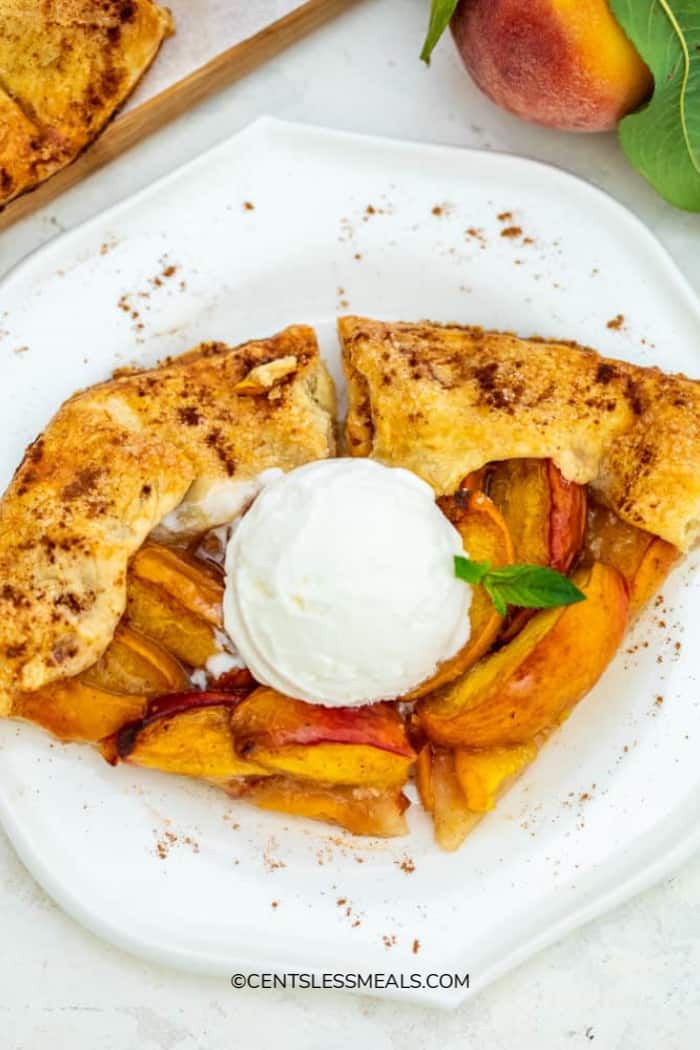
(564, 63)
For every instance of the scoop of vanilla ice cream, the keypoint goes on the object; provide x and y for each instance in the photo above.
(340, 584)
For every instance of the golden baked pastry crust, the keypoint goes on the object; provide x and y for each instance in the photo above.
(66, 65)
(27, 155)
(444, 400)
(112, 463)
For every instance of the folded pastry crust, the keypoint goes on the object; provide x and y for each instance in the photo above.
(65, 66)
(114, 461)
(445, 400)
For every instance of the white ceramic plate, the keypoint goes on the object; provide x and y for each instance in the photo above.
(341, 223)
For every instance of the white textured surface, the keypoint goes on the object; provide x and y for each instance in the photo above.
(627, 980)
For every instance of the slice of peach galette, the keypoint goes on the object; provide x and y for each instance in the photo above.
(194, 581)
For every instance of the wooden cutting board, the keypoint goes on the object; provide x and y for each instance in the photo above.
(216, 42)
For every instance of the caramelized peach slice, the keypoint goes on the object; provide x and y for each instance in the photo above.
(424, 781)
(459, 787)
(545, 513)
(486, 538)
(267, 717)
(189, 581)
(527, 686)
(567, 519)
(359, 745)
(643, 559)
(135, 664)
(485, 775)
(657, 561)
(452, 817)
(188, 734)
(362, 810)
(334, 763)
(157, 614)
(76, 710)
(237, 680)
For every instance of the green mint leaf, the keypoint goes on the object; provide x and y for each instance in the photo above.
(470, 571)
(533, 586)
(527, 586)
(496, 597)
(662, 140)
(441, 12)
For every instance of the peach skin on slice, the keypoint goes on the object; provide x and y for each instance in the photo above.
(643, 559)
(567, 519)
(78, 711)
(358, 745)
(361, 810)
(135, 664)
(545, 514)
(485, 775)
(486, 538)
(189, 735)
(529, 684)
(189, 581)
(157, 614)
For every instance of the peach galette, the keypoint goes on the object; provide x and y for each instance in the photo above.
(66, 67)
(194, 581)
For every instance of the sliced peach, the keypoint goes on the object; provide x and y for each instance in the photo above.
(657, 561)
(76, 710)
(135, 664)
(520, 490)
(486, 538)
(476, 481)
(192, 583)
(237, 680)
(176, 703)
(545, 514)
(359, 745)
(484, 775)
(643, 559)
(424, 781)
(567, 519)
(193, 739)
(528, 685)
(155, 613)
(268, 718)
(452, 817)
(363, 811)
(334, 763)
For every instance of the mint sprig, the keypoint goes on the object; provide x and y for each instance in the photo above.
(527, 586)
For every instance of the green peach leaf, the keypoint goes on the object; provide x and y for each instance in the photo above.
(441, 12)
(662, 140)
